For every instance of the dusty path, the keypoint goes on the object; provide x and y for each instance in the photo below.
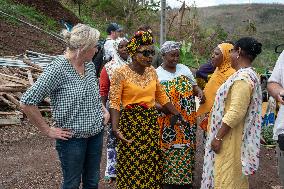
(29, 161)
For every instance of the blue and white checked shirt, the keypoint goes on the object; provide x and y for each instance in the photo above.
(75, 101)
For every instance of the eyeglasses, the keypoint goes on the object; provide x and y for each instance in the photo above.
(147, 53)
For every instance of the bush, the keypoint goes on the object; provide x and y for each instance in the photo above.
(267, 134)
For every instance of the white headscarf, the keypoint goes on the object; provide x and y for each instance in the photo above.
(116, 61)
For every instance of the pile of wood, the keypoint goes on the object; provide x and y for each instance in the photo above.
(14, 81)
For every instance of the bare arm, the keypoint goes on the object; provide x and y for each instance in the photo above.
(104, 100)
(106, 115)
(216, 142)
(37, 120)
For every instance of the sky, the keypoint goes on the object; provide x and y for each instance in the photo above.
(206, 3)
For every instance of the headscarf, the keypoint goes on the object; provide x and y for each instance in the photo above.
(205, 70)
(220, 75)
(170, 46)
(139, 38)
(116, 61)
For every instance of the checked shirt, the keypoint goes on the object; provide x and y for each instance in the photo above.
(75, 100)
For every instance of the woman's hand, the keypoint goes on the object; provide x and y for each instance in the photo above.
(201, 97)
(162, 109)
(177, 119)
(199, 93)
(106, 116)
(280, 97)
(59, 133)
(120, 136)
(216, 145)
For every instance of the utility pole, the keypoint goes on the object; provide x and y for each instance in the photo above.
(163, 22)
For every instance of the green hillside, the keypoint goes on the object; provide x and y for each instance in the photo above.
(267, 19)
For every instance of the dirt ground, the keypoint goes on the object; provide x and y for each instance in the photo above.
(29, 160)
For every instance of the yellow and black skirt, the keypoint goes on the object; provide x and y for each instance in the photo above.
(139, 164)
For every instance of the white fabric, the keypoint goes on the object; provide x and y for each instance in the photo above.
(116, 61)
(109, 49)
(278, 77)
(181, 69)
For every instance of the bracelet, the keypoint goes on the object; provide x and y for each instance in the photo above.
(219, 139)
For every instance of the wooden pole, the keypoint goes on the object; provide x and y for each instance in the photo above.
(163, 22)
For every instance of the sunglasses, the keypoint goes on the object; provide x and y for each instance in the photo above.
(147, 53)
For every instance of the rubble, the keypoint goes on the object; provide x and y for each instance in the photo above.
(17, 74)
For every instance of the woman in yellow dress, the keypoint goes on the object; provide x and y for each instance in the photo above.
(136, 86)
(233, 141)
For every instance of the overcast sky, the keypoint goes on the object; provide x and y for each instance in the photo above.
(206, 3)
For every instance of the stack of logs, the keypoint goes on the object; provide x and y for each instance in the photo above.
(14, 81)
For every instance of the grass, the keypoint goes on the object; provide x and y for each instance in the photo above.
(28, 14)
(86, 17)
(266, 60)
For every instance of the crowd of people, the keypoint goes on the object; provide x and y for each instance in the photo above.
(147, 100)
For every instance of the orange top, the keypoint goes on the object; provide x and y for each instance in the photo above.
(128, 87)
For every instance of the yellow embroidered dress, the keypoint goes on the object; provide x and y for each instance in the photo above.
(139, 164)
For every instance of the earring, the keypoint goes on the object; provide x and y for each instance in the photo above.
(238, 57)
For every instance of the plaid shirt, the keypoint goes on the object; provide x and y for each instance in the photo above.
(75, 101)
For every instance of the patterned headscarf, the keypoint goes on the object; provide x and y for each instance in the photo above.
(170, 46)
(139, 38)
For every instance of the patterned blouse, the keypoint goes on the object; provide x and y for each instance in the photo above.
(129, 87)
(75, 101)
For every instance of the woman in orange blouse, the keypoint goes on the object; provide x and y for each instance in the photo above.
(136, 86)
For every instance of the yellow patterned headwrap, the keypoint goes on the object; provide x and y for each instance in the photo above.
(139, 38)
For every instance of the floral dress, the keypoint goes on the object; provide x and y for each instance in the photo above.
(178, 143)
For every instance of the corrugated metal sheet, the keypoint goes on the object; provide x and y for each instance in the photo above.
(39, 59)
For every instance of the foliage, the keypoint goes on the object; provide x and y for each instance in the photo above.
(265, 61)
(267, 134)
(28, 14)
(188, 58)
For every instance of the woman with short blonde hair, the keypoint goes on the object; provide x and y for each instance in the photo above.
(70, 82)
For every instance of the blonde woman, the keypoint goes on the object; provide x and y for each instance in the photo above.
(70, 82)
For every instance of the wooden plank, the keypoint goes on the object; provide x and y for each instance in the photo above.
(7, 102)
(12, 89)
(30, 77)
(13, 100)
(10, 121)
(13, 79)
(34, 66)
(15, 113)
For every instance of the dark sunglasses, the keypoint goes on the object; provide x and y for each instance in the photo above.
(147, 53)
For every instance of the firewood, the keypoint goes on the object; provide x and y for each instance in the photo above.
(12, 99)
(7, 102)
(10, 121)
(14, 79)
(30, 77)
(29, 62)
(20, 114)
(45, 110)
(12, 89)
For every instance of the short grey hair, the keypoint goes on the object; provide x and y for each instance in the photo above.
(81, 36)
